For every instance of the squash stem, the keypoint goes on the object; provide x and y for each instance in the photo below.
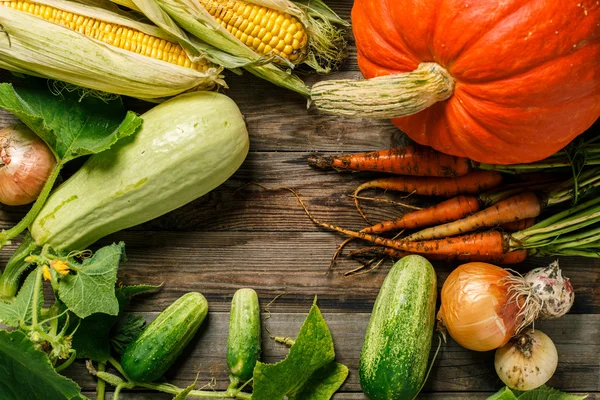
(6, 236)
(207, 394)
(36, 296)
(16, 265)
(387, 96)
(101, 385)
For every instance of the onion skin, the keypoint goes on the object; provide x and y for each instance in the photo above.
(527, 361)
(26, 162)
(474, 307)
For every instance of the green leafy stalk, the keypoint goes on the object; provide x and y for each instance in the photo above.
(36, 296)
(575, 231)
(16, 266)
(101, 385)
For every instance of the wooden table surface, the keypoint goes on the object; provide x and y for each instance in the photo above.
(240, 235)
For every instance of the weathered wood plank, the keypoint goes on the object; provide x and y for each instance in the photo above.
(577, 338)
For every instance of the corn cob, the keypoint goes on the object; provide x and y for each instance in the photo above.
(265, 30)
(112, 34)
(97, 49)
(269, 38)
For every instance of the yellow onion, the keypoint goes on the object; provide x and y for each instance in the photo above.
(527, 361)
(483, 305)
(26, 162)
(476, 308)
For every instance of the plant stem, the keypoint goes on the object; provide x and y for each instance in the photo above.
(34, 210)
(36, 298)
(172, 389)
(208, 394)
(67, 363)
(575, 253)
(571, 189)
(101, 385)
(387, 96)
(16, 265)
(555, 218)
(518, 168)
(117, 366)
(557, 230)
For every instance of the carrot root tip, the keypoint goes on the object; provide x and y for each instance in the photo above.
(319, 161)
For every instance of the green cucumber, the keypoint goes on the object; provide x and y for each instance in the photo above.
(149, 356)
(243, 342)
(395, 353)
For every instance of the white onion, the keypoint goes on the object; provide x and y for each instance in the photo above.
(554, 291)
(527, 361)
(26, 162)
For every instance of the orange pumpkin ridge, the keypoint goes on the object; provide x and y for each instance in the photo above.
(527, 74)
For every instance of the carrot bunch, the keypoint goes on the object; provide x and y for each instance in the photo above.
(481, 219)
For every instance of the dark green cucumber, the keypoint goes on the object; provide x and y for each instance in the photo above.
(243, 343)
(395, 353)
(149, 356)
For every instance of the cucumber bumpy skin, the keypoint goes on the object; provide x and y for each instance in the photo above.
(151, 354)
(395, 353)
(243, 342)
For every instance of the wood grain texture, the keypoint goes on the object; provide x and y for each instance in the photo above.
(577, 338)
(240, 235)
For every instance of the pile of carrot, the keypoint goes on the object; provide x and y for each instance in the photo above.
(473, 223)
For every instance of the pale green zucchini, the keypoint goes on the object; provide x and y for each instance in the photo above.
(186, 147)
(394, 357)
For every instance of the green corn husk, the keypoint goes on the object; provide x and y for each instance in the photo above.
(30, 45)
(326, 32)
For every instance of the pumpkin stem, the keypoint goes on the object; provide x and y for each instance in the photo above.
(385, 97)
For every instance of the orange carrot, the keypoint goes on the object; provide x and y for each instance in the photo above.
(407, 160)
(516, 226)
(471, 183)
(513, 257)
(482, 243)
(446, 211)
(515, 208)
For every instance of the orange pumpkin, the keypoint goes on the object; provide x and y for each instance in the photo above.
(523, 77)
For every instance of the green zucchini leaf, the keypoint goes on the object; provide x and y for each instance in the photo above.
(91, 287)
(126, 330)
(547, 393)
(21, 309)
(312, 350)
(94, 337)
(323, 383)
(71, 124)
(542, 393)
(503, 394)
(26, 373)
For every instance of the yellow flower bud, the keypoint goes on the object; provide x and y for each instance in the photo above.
(60, 266)
(46, 273)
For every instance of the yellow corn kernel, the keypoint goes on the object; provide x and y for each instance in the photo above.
(262, 29)
(118, 36)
